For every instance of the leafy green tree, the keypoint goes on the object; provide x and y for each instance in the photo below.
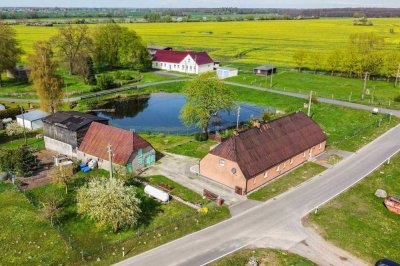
(49, 86)
(51, 204)
(118, 46)
(391, 64)
(19, 162)
(316, 61)
(85, 69)
(206, 95)
(73, 42)
(9, 49)
(62, 175)
(109, 202)
(334, 61)
(299, 58)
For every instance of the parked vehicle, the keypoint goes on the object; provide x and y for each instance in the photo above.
(386, 262)
(393, 204)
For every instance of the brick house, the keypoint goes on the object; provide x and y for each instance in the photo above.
(131, 152)
(183, 61)
(249, 159)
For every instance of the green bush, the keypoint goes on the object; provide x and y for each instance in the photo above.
(397, 99)
(11, 112)
(200, 136)
(105, 81)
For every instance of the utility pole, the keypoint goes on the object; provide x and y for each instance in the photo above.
(365, 86)
(397, 76)
(237, 119)
(23, 123)
(309, 105)
(110, 155)
(272, 73)
(66, 92)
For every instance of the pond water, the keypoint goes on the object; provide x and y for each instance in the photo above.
(159, 113)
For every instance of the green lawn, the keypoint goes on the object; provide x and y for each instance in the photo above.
(158, 223)
(33, 142)
(179, 144)
(264, 257)
(379, 93)
(177, 189)
(27, 238)
(358, 221)
(286, 182)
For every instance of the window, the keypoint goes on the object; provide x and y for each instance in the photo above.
(221, 162)
(266, 174)
(291, 160)
(320, 146)
(304, 154)
(255, 180)
(284, 165)
(278, 168)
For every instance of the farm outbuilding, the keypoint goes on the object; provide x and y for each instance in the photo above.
(32, 120)
(265, 70)
(251, 158)
(64, 131)
(227, 72)
(152, 49)
(19, 72)
(130, 152)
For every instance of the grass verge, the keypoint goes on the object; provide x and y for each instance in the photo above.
(358, 222)
(286, 182)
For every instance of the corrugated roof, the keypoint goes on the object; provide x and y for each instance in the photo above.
(258, 149)
(265, 67)
(176, 57)
(123, 142)
(72, 120)
(33, 115)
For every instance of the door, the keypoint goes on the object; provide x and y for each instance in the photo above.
(150, 159)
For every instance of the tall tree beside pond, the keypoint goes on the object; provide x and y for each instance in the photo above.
(73, 42)
(9, 49)
(48, 84)
(206, 95)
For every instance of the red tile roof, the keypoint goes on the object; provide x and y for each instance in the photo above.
(258, 149)
(123, 142)
(176, 57)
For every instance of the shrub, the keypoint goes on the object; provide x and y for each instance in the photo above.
(200, 136)
(10, 113)
(13, 129)
(397, 99)
(105, 81)
(20, 162)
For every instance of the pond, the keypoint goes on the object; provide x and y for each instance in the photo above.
(159, 113)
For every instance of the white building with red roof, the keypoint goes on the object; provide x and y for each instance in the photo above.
(183, 61)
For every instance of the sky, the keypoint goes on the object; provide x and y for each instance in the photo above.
(201, 3)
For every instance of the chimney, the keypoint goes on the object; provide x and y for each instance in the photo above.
(256, 123)
(236, 133)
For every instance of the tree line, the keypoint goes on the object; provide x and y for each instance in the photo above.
(363, 53)
(82, 51)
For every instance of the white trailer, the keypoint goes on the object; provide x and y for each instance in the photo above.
(156, 193)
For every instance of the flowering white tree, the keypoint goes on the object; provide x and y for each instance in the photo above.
(109, 202)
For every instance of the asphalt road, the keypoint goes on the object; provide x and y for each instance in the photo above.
(274, 216)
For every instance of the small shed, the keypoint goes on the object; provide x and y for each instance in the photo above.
(265, 70)
(19, 72)
(227, 72)
(32, 120)
(154, 48)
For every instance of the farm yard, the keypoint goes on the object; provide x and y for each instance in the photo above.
(248, 41)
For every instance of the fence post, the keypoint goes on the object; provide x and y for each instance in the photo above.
(82, 254)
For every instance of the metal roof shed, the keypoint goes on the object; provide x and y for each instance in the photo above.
(264, 70)
(32, 120)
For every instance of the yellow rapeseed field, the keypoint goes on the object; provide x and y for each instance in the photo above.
(246, 41)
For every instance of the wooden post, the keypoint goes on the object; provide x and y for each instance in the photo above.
(397, 77)
(309, 105)
(23, 124)
(365, 86)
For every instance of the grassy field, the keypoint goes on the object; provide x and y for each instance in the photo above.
(74, 85)
(264, 257)
(248, 41)
(158, 223)
(26, 237)
(359, 222)
(378, 93)
(286, 182)
(33, 142)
